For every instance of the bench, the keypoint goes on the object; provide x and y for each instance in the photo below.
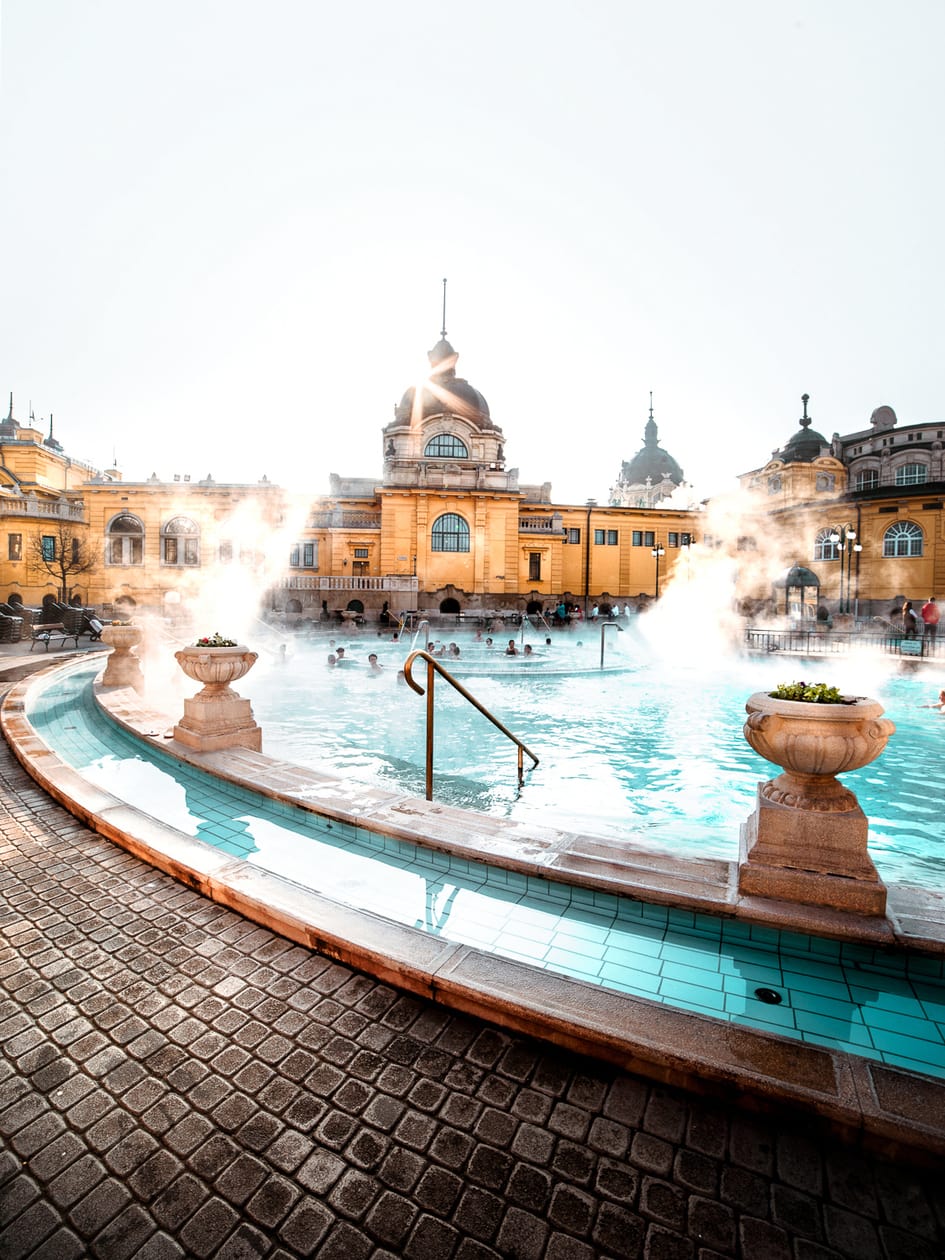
(54, 631)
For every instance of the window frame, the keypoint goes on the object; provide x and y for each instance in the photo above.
(456, 531)
(445, 446)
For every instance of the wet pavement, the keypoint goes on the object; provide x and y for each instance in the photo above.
(177, 1081)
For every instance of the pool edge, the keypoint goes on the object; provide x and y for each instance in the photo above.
(865, 1100)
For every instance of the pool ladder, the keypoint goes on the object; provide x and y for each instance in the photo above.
(434, 667)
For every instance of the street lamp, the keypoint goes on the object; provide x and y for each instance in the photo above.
(656, 553)
(591, 504)
(847, 544)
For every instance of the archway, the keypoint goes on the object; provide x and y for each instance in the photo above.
(449, 605)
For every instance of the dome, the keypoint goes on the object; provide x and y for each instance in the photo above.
(806, 444)
(445, 392)
(652, 463)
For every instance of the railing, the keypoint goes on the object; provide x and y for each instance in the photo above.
(607, 625)
(309, 582)
(424, 624)
(434, 667)
(538, 525)
(24, 505)
(837, 642)
(345, 520)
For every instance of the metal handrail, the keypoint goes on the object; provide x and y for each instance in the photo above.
(602, 629)
(416, 633)
(434, 666)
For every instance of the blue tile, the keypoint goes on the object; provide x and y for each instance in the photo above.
(676, 991)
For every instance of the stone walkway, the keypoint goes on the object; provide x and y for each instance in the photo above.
(176, 1081)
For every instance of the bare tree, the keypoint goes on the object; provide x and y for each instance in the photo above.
(60, 551)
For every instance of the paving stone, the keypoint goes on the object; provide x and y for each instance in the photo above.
(334, 1117)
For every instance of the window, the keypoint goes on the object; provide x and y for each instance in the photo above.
(14, 546)
(360, 553)
(303, 555)
(911, 474)
(534, 566)
(598, 538)
(76, 551)
(573, 536)
(611, 538)
(902, 539)
(605, 537)
(450, 533)
(445, 446)
(48, 546)
(124, 540)
(180, 542)
(649, 538)
(225, 551)
(824, 546)
(672, 540)
(867, 479)
(685, 540)
(636, 538)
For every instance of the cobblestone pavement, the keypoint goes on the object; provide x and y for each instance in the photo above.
(175, 1081)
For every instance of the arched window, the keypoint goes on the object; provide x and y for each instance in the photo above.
(124, 540)
(445, 446)
(824, 546)
(902, 539)
(450, 533)
(180, 542)
(911, 474)
(867, 479)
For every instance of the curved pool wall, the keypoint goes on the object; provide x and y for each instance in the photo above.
(809, 1048)
(648, 751)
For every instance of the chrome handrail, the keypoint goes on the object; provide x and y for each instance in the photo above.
(602, 629)
(434, 666)
(420, 625)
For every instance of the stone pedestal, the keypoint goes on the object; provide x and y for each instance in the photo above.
(122, 669)
(807, 839)
(217, 717)
(819, 858)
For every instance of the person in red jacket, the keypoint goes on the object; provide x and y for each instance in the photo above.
(930, 617)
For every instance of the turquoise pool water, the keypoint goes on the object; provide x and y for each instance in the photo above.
(650, 752)
(877, 1003)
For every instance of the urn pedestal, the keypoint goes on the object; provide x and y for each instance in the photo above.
(806, 841)
(217, 717)
(122, 669)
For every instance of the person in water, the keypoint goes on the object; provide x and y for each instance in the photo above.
(511, 650)
(374, 662)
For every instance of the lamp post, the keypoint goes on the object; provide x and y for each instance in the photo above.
(656, 553)
(591, 504)
(847, 544)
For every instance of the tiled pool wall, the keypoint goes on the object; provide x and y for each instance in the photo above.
(878, 1003)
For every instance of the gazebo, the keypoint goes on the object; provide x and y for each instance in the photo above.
(797, 593)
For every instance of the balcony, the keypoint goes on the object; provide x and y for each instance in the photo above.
(48, 509)
(338, 519)
(549, 525)
(343, 582)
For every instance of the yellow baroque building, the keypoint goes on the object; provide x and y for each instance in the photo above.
(448, 528)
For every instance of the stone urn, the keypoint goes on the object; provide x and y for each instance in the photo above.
(122, 669)
(217, 717)
(807, 839)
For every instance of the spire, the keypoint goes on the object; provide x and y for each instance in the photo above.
(10, 413)
(443, 329)
(805, 418)
(649, 434)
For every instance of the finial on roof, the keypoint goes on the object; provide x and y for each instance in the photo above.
(10, 415)
(805, 418)
(443, 329)
(651, 404)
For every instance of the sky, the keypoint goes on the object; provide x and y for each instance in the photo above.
(225, 223)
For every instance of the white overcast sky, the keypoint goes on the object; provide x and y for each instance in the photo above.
(224, 226)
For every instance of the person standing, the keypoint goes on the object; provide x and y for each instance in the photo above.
(910, 622)
(929, 614)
